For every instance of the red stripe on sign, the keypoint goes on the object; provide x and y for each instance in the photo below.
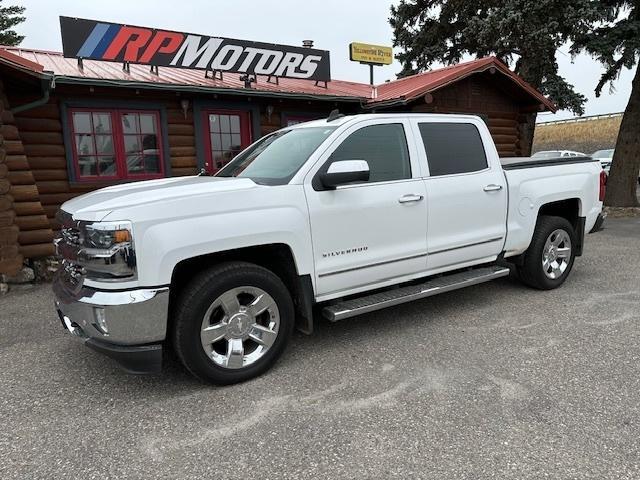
(162, 42)
(131, 37)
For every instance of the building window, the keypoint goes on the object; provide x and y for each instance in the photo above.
(227, 133)
(116, 144)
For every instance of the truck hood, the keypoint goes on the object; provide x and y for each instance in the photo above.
(97, 205)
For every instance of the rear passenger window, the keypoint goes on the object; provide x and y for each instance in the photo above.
(452, 148)
(384, 147)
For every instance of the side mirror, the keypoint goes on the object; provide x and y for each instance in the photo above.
(345, 171)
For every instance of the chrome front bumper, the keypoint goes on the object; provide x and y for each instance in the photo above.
(120, 324)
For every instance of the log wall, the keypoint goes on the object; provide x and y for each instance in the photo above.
(481, 96)
(31, 228)
(10, 257)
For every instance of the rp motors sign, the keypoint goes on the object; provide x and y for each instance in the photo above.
(91, 39)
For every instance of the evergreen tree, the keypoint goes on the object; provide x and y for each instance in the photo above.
(9, 18)
(615, 42)
(524, 34)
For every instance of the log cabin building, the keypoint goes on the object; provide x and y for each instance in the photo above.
(69, 126)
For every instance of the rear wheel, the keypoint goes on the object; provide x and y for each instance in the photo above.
(550, 257)
(232, 322)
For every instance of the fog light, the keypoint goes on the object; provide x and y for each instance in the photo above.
(101, 320)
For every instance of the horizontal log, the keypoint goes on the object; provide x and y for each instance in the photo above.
(180, 129)
(177, 116)
(11, 266)
(9, 235)
(56, 198)
(6, 202)
(503, 130)
(53, 186)
(181, 140)
(43, 175)
(38, 163)
(28, 208)
(185, 171)
(38, 250)
(21, 177)
(24, 193)
(3, 170)
(17, 162)
(44, 150)
(50, 210)
(32, 222)
(33, 237)
(5, 186)
(502, 122)
(7, 217)
(49, 110)
(38, 124)
(182, 162)
(8, 251)
(183, 151)
(512, 139)
(43, 138)
(9, 132)
(54, 224)
(6, 116)
(13, 147)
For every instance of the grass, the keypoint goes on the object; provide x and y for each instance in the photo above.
(585, 137)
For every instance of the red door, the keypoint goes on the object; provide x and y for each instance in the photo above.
(227, 133)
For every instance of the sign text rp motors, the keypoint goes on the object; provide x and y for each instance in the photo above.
(91, 39)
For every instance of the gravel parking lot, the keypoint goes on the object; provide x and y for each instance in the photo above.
(495, 381)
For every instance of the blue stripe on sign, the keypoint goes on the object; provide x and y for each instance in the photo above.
(106, 41)
(92, 40)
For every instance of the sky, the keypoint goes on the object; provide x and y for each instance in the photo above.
(332, 24)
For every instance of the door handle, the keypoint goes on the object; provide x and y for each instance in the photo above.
(492, 188)
(412, 197)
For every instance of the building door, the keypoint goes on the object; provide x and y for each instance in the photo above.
(227, 133)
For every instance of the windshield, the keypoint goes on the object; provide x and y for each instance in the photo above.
(275, 159)
(548, 154)
(603, 154)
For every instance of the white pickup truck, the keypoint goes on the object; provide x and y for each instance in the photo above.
(342, 216)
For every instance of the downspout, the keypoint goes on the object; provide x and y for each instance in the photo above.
(46, 86)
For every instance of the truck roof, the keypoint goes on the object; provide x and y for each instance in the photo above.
(323, 122)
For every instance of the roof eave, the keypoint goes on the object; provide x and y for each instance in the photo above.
(63, 79)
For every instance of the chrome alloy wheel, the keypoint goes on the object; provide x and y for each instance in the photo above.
(239, 327)
(556, 254)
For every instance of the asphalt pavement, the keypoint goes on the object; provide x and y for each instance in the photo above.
(494, 381)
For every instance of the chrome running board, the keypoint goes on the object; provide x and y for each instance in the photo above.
(433, 286)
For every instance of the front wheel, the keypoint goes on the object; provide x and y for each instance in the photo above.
(232, 322)
(550, 256)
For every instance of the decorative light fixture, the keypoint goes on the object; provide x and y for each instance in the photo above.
(184, 103)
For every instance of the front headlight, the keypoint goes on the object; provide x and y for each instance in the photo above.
(107, 251)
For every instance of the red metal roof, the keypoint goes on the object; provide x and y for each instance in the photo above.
(402, 90)
(414, 86)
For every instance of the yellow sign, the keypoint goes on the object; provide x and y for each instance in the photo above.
(365, 53)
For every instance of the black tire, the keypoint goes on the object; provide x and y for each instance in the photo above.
(532, 272)
(194, 301)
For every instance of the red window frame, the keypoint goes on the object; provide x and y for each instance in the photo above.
(119, 151)
(245, 133)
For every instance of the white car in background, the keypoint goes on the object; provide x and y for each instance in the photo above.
(546, 154)
(605, 157)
